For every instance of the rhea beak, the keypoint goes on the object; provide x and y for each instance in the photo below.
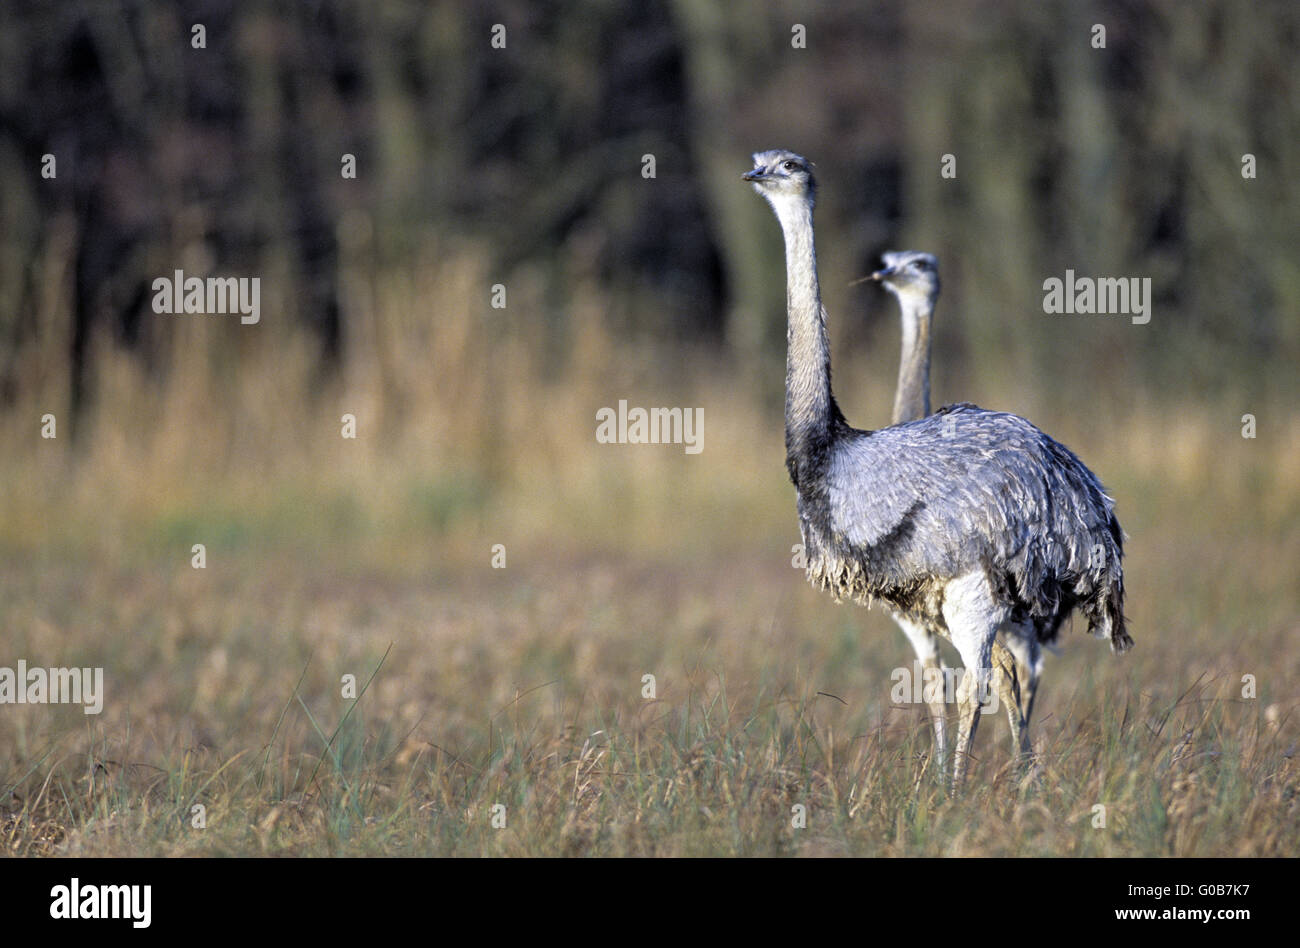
(756, 174)
(881, 275)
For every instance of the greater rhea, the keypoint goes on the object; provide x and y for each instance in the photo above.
(912, 277)
(964, 520)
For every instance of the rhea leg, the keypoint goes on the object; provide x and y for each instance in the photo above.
(972, 615)
(974, 685)
(1006, 680)
(1021, 641)
(1033, 669)
(926, 647)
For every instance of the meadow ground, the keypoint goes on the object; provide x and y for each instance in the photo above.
(523, 687)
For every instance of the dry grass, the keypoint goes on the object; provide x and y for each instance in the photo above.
(523, 686)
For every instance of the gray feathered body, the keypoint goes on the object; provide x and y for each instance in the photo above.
(894, 514)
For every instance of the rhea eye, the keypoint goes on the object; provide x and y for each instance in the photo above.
(916, 265)
(789, 165)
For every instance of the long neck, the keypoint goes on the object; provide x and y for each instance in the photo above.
(810, 409)
(912, 398)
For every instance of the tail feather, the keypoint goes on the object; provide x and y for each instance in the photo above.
(1103, 604)
(1120, 640)
(1105, 612)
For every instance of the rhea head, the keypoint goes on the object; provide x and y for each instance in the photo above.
(782, 176)
(911, 275)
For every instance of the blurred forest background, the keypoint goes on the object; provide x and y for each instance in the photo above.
(521, 167)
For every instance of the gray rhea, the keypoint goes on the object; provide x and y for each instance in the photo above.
(912, 277)
(963, 521)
